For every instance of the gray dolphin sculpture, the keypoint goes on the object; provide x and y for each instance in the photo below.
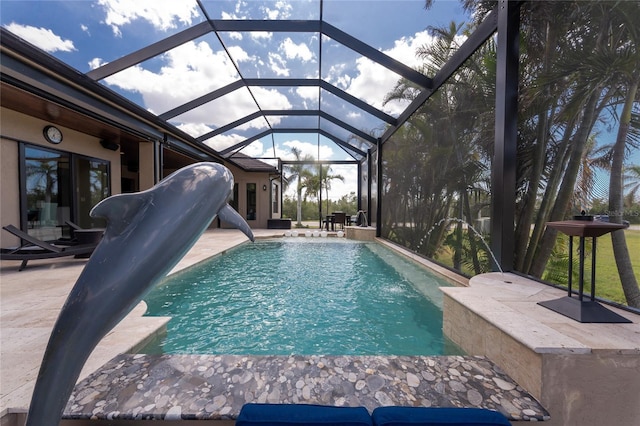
(147, 233)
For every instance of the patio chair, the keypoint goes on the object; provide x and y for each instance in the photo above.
(33, 248)
(340, 218)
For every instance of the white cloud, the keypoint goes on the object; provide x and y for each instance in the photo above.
(254, 149)
(239, 54)
(221, 142)
(192, 70)
(194, 129)
(226, 15)
(189, 71)
(292, 50)
(278, 65)
(306, 148)
(373, 81)
(281, 10)
(162, 14)
(271, 98)
(96, 63)
(307, 92)
(43, 38)
(260, 35)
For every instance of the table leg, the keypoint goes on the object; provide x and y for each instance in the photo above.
(581, 275)
(570, 278)
(593, 270)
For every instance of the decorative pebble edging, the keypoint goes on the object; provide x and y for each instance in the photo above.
(191, 387)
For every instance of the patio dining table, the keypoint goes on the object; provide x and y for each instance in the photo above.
(330, 220)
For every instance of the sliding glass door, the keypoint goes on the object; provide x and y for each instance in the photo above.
(91, 178)
(58, 186)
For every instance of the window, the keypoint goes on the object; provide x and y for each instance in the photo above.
(275, 198)
(251, 201)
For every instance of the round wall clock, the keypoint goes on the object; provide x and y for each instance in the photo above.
(52, 134)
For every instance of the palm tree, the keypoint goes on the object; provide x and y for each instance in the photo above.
(301, 173)
(589, 91)
(632, 176)
(327, 177)
(625, 47)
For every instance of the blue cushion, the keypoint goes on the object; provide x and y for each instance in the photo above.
(302, 414)
(414, 416)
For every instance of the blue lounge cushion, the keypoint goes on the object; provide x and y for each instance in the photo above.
(423, 416)
(302, 414)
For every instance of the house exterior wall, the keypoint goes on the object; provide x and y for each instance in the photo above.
(9, 189)
(16, 127)
(263, 201)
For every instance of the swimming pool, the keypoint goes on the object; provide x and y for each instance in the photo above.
(302, 296)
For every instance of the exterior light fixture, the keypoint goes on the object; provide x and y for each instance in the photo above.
(264, 187)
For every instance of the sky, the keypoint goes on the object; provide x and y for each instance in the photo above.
(88, 34)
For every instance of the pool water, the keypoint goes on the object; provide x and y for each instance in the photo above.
(302, 296)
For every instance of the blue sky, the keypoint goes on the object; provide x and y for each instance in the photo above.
(88, 34)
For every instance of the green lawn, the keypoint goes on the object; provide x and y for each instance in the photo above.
(608, 284)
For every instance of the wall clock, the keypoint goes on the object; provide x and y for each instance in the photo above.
(52, 134)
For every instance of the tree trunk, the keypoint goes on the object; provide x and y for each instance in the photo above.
(564, 196)
(525, 219)
(299, 206)
(616, 199)
(472, 237)
(548, 198)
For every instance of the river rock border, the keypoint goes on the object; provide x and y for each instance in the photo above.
(191, 387)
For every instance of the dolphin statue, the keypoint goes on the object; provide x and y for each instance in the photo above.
(147, 234)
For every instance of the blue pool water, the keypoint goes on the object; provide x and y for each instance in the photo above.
(302, 296)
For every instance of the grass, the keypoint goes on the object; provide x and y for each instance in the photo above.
(608, 285)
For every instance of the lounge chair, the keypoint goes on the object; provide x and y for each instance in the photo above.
(73, 226)
(32, 248)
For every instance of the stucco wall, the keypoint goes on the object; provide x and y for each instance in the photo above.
(146, 171)
(243, 178)
(9, 190)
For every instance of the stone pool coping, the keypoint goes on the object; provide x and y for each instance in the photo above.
(199, 387)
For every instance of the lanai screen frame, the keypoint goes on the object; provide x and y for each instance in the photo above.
(503, 20)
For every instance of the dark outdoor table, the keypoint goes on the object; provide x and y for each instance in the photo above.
(577, 308)
(330, 219)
